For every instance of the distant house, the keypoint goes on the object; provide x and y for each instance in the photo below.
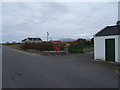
(107, 43)
(32, 40)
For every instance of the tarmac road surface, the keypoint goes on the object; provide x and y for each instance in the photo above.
(22, 70)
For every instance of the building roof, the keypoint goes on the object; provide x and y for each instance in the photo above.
(32, 39)
(23, 40)
(118, 22)
(35, 39)
(109, 30)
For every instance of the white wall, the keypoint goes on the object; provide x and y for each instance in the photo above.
(99, 46)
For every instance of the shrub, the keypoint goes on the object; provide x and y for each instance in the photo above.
(43, 46)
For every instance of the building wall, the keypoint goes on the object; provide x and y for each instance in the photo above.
(99, 46)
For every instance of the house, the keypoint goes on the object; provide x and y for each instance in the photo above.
(107, 43)
(32, 40)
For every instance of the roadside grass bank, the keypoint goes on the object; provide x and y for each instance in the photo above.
(116, 68)
(88, 49)
(44, 49)
(114, 65)
(15, 46)
(35, 51)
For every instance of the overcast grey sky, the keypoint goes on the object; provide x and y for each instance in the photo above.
(62, 20)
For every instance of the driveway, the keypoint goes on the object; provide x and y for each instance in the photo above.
(22, 70)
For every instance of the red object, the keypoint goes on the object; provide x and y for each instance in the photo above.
(57, 45)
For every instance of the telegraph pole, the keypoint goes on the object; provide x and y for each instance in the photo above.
(47, 35)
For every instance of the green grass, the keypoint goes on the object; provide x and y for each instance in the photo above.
(14, 46)
(116, 68)
(88, 49)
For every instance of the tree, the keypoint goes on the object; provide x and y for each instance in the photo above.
(92, 40)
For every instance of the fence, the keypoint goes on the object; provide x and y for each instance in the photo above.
(76, 48)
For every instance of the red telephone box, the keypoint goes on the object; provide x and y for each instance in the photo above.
(57, 45)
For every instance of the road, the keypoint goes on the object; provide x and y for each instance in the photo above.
(22, 70)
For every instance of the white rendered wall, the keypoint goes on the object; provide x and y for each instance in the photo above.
(99, 46)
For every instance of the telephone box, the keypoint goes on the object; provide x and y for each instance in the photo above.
(57, 45)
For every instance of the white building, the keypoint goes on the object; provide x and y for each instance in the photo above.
(107, 44)
(32, 40)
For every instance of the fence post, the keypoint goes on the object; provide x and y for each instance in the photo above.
(66, 49)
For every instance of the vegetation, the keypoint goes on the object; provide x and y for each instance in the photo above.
(78, 46)
(42, 46)
(15, 46)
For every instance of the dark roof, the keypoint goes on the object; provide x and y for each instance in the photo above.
(33, 39)
(118, 22)
(109, 30)
(23, 40)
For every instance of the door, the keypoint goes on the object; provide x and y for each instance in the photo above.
(110, 49)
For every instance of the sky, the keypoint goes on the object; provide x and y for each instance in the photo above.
(61, 19)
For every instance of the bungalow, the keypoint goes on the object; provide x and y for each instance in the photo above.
(107, 42)
(32, 40)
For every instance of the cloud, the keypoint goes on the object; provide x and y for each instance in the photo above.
(28, 19)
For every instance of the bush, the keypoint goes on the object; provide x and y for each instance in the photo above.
(43, 46)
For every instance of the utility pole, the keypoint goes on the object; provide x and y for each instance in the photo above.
(47, 35)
